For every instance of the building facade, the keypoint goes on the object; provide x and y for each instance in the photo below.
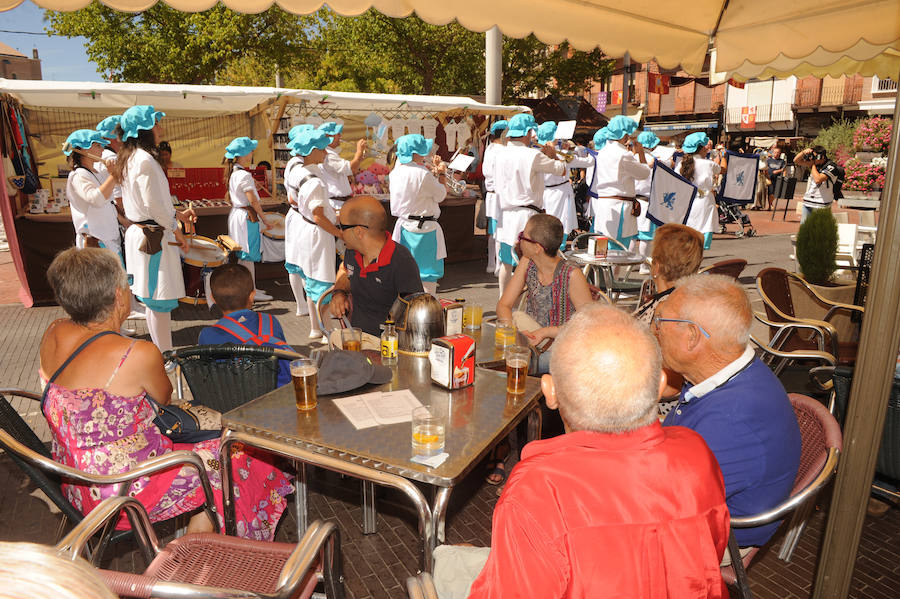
(15, 65)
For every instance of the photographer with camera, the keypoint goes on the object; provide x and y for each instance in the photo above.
(824, 179)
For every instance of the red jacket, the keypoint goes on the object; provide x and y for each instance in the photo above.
(638, 514)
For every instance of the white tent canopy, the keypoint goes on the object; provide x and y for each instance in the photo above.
(216, 99)
(747, 33)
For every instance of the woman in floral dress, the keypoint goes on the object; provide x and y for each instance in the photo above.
(101, 416)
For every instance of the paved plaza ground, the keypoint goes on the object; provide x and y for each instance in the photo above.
(377, 565)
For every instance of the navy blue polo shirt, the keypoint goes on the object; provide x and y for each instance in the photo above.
(749, 424)
(248, 318)
(376, 285)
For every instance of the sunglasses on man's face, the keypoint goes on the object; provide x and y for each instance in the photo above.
(344, 227)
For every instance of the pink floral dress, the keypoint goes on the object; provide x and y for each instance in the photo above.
(101, 433)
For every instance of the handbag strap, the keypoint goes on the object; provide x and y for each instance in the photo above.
(68, 361)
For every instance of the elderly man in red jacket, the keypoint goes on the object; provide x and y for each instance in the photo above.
(618, 506)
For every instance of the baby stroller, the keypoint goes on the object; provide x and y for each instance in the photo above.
(730, 212)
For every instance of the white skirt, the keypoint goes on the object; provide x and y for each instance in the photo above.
(703, 216)
(609, 213)
(169, 281)
(315, 253)
(560, 202)
(511, 223)
(441, 244)
(492, 205)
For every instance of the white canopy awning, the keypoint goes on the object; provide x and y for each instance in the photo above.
(829, 35)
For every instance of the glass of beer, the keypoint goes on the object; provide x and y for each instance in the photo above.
(427, 432)
(504, 333)
(472, 315)
(351, 339)
(305, 375)
(517, 359)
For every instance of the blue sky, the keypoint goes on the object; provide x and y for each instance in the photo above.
(62, 59)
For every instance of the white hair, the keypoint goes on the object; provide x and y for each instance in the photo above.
(30, 571)
(720, 305)
(606, 370)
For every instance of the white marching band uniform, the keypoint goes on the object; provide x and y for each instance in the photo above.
(292, 219)
(335, 171)
(642, 188)
(703, 216)
(239, 229)
(92, 213)
(615, 174)
(315, 251)
(519, 177)
(488, 169)
(416, 195)
(146, 197)
(559, 197)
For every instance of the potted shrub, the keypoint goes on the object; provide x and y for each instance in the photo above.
(865, 177)
(873, 135)
(817, 242)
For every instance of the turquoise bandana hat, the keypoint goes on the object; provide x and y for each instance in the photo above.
(498, 127)
(520, 125)
(694, 142)
(240, 146)
(600, 138)
(307, 141)
(330, 128)
(620, 126)
(410, 144)
(546, 132)
(298, 129)
(107, 127)
(82, 140)
(648, 139)
(139, 118)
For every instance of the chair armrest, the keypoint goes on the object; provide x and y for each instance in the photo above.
(124, 479)
(787, 327)
(73, 544)
(313, 544)
(421, 587)
(811, 354)
(21, 393)
(795, 501)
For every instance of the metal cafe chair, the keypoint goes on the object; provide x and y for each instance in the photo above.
(32, 456)
(223, 377)
(201, 565)
(821, 444)
(619, 287)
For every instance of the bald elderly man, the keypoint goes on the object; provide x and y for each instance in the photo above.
(375, 269)
(729, 396)
(618, 506)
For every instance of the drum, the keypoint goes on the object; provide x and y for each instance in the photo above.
(272, 240)
(197, 264)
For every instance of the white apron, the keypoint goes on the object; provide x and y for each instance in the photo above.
(145, 196)
(613, 218)
(315, 252)
(417, 192)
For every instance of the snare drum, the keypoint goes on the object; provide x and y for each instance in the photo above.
(197, 264)
(272, 241)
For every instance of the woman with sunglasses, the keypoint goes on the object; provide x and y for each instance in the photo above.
(309, 248)
(554, 289)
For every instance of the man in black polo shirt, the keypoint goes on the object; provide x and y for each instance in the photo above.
(375, 269)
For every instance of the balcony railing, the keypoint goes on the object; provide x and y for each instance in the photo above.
(765, 113)
(842, 94)
(883, 85)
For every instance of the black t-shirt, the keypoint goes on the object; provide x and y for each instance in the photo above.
(376, 286)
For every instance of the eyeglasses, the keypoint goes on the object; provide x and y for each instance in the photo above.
(522, 237)
(659, 319)
(344, 227)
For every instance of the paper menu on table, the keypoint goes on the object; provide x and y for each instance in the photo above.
(372, 409)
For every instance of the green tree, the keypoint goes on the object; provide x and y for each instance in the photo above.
(165, 45)
(531, 67)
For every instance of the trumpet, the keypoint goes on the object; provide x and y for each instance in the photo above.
(439, 167)
(566, 155)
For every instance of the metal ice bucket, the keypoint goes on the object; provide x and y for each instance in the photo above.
(419, 318)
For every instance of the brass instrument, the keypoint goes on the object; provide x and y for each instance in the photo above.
(566, 155)
(456, 186)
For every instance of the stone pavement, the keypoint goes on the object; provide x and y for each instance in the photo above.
(377, 565)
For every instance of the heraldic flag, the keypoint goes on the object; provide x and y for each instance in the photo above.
(671, 196)
(739, 183)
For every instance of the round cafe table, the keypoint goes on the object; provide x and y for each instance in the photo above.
(599, 270)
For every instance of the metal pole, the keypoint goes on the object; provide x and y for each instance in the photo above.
(625, 80)
(493, 66)
(869, 393)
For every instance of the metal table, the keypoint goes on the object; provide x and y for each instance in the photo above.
(599, 270)
(478, 417)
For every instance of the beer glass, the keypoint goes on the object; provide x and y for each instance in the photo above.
(504, 333)
(305, 375)
(427, 432)
(472, 315)
(517, 358)
(351, 339)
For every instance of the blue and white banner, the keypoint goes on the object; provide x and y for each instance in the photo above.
(671, 196)
(739, 183)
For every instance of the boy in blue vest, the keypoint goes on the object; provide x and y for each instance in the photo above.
(232, 289)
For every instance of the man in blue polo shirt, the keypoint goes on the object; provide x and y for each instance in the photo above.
(729, 396)
(375, 269)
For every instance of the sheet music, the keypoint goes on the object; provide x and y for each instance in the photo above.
(461, 162)
(565, 130)
(378, 408)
